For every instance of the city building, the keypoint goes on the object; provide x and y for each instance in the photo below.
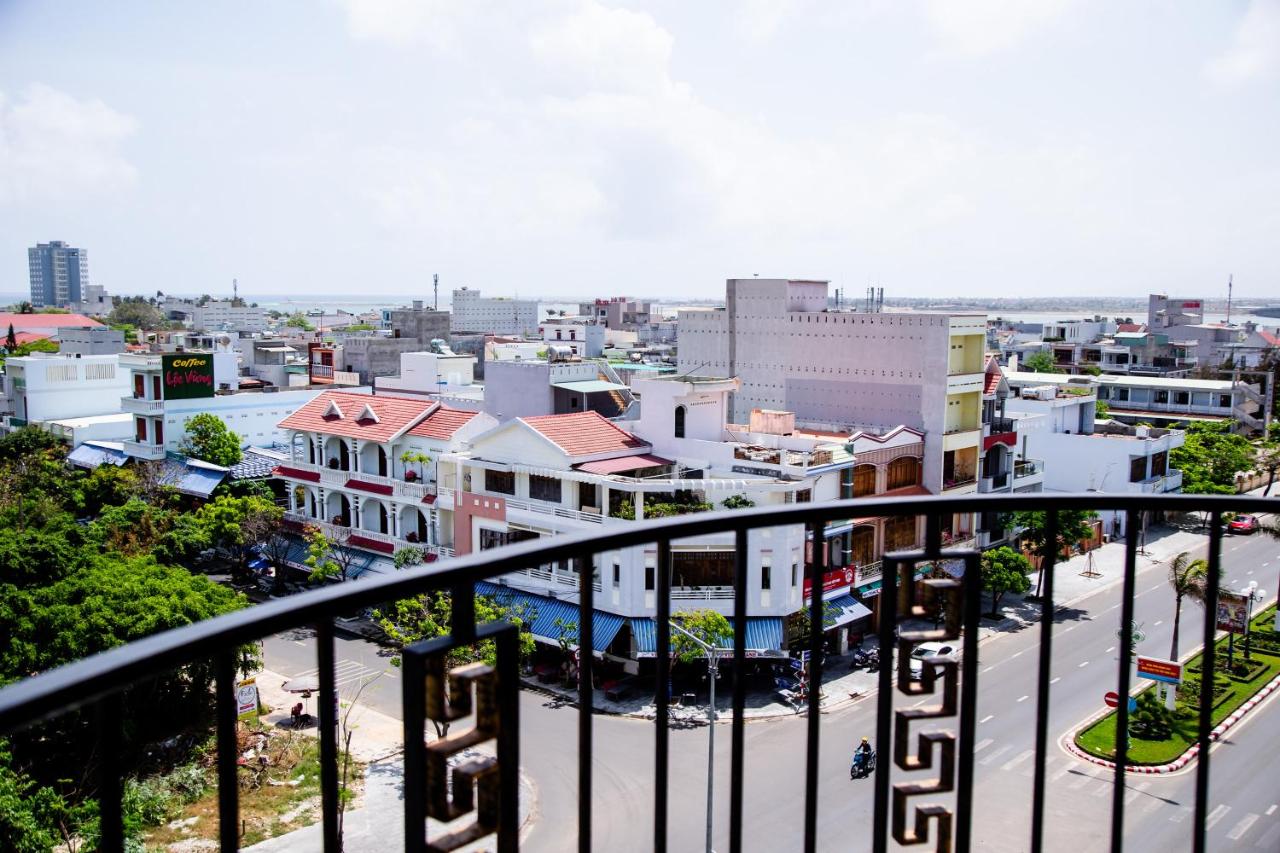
(51, 386)
(58, 274)
(94, 301)
(581, 336)
(168, 389)
(441, 372)
(618, 312)
(497, 316)
(848, 371)
(559, 384)
(227, 315)
(44, 325)
(89, 340)
(422, 324)
(364, 469)
(1218, 344)
(371, 355)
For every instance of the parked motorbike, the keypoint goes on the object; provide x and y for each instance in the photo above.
(869, 658)
(863, 765)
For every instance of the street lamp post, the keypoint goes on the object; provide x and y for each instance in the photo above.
(1252, 594)
(713, 671)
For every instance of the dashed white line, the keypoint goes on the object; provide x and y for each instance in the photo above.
(1066, 768)
(983, 744)
(1238, 831)
(993, 756)
(1110, 650)
(1180, 815)
(1216, 815)
(1021, 757)
(1055, 679)
(1103, 789)
(987, 718)
(1086, 663)
(988, 669)
(1158, 624)
(1271, 811)
(1085, 779)
(1018, 654)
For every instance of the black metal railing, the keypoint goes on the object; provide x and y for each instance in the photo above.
(97, 683)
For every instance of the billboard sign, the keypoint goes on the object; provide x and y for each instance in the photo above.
(187, 375)
(246, 698)
(1233, 609)
(1157, 669)
(832, 580)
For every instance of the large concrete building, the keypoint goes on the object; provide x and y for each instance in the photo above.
(227, 315)
(848, 371)
(474, 313)
(58, 274)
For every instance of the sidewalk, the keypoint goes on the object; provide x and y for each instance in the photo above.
(377, 739)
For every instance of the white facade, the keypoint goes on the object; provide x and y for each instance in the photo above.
(473, 313)
(1078, 331)
(429, 373)
(847, 370)
(217, 316)
(47, 387)
(583, 338)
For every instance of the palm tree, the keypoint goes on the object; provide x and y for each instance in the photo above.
(1186, 576)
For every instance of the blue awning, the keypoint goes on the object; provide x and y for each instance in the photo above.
(193, 477)
(846, 609)
(764, 634)
(91, 455)
(540, 612)
(955, 568)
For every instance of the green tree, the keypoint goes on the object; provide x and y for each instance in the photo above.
(737, 502)
(1187, 577)
(414, 457)
(10, 340)
(1101, 410)
(298, 320)
(403, 558)
(238, 524)
(1004, 570)
(566, 637)
(329, 557)
(104, 486)
(38, 345)
(25, 307)
(1210, 457)
(1073, 526)
(1040, 362)
(208, 438)
(137, 312)
(707, 625)
(132, 528)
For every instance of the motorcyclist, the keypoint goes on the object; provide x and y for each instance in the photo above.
(862, 754)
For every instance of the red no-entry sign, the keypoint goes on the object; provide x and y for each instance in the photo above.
(1112, 699)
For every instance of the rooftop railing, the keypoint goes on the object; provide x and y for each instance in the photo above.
(906, 808)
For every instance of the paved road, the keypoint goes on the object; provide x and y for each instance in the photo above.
(1244, 793)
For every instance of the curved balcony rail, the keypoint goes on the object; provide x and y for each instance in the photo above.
(97, 682)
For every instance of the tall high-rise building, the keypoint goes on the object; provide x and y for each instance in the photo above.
(58, 273)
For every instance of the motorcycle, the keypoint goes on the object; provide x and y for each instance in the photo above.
(869, 659)
(863, 765)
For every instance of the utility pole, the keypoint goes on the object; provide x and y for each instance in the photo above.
(435, 286)
(1229, 277)
(713, 671)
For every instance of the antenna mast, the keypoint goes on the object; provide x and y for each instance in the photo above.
(235, 290)
(1229, 282)
(435, 286)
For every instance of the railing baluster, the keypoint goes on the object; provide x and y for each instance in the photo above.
(328, 713)
(1207, 676)
(888, 616)
(414, 692)
(1048, 560)
(463, 612)
(1133, 528)
(817, 567)
(586, 645)
(662, 717)
(972, 584)
(228, 780)
(109, 718)
(739, 689)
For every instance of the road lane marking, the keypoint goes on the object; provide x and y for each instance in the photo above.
(1024, 698)
(1018, 653)
(988, 669)
(1056, 679)
(1014, 762)
(1110, 650)
(1180, 814)
(1030, 770)
(1271, 811)
(1063, 772)
(1136, 791)
(1237, 832)
(1158, 624)
(1085, 779)
(983, 744)
(986, 718)
(1216, 815)
(1103, 789)
(993, 756)
(1086, 663)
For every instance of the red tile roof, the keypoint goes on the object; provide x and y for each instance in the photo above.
(443, 423)
(585, 434)
(1272, 340)
(1129, 327)
(623, 463)
(394, 415)
(44, 321)
(28, 337)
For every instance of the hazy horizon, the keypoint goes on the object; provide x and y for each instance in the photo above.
(587, 149)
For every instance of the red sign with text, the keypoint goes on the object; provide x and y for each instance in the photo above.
(833, 579)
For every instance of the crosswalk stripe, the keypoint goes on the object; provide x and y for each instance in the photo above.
(1066, 768)
(1030, 769)
(993, 756)
(983, 744)
(1085, 779)
(1180, 815)
(1237, 832)
(1216, 815)
(1104, 789)
(1135, 791)
(1021, 757)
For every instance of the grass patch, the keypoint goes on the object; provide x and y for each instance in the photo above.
(1230, 693)
(266, 810)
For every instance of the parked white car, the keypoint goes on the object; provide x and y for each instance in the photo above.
(945, 651)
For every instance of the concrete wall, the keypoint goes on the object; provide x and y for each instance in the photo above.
(53, 387)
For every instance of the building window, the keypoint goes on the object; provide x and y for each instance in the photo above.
(1137, 469)
(1121, 395)
(1224, 401)
(1162, 397)
(648, 577)
(804, 496)
(766, 577)
(503, 482)
(679, 433)
(864, 481)
(862, 545)
(617, 576)
(544, 488)
(795, 570)
(1159, 463)
(904, 471)
(1181, 398)
(900, 533)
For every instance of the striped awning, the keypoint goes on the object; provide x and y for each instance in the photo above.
(541, 613)
(764, 635)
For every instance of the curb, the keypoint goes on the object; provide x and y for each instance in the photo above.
(1192, 751)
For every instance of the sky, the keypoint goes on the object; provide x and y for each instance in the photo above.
(585, 148)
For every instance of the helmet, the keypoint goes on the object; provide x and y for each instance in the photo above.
(864, 740)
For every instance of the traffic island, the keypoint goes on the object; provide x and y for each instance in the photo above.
(1162, 741)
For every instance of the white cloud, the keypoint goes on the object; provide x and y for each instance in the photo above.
(606, 49)
(1255, 51)
(979, 27)
(53, 146)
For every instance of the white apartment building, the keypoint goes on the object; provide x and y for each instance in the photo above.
(430, 373)
(49, 386)
(357, 469)
(848, 370)
(1055, 422)
(226, 316)
(576, 335)
(171, 388)
(470, 312)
